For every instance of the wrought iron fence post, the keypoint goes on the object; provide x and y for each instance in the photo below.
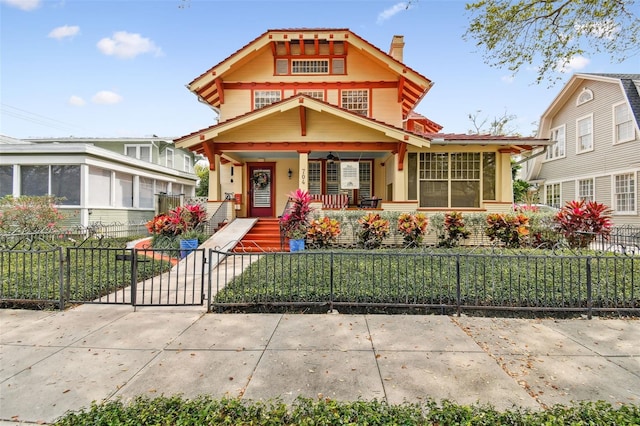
(134, 276)
(589, 290)
(209, 280)
(331, 281)
(458, 285)
(61, 274)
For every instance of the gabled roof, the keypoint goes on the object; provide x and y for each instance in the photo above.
(208, 85)
(193, 140)
(629, 83)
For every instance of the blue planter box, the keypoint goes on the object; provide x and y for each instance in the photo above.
(296, 245)
(187, 246)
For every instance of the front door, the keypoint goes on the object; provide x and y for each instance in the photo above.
(261, 190)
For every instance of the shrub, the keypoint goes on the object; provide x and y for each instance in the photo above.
(413, 228)
(324, 231)
(29, 214)
(295, 221)
(454, 230)
(373, 229)
(580, 222)
(511, 230)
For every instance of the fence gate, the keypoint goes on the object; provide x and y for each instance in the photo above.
(137, 277)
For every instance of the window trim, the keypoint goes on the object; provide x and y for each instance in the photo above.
(614, 194)
(187, 162)
(584, 92)
(615, 124)
(166, 158)
(551, 147)
(137, 146)
(578, 144)
(253, 98)
(367, 91)
(593, 188)
(559, 195)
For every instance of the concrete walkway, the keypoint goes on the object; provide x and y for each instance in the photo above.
(52, 362)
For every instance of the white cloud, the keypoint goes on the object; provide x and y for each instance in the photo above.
(572, 65)
(64, 31)
(23, 4)
(126, 45)
(106, 97)
(76, 101)
(390, 12)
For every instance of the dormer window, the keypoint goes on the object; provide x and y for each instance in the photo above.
(585, 96)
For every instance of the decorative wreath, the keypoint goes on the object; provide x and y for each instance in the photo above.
(260, 180)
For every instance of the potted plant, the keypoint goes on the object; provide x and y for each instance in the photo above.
(295, 221)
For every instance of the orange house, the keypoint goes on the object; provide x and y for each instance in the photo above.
(326, 111)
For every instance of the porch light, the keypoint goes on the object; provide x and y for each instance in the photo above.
(331, 157)
(290, 173)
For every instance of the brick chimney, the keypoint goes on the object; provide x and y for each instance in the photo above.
(397, 46)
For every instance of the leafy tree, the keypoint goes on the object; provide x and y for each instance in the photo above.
(202, 171)
(548, 34)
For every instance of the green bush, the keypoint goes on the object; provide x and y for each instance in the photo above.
(205, 410)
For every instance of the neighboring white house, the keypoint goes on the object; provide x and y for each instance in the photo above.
(99, 179)
(595, 123)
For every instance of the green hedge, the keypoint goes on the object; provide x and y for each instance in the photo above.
(205, 410)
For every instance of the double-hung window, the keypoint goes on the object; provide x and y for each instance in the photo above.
(624, 192)
(623, 123)
(558, 148)
(584, 134)
(585, 189)
(262, 98)
(552, 195)
(141, 152)
(356, 101)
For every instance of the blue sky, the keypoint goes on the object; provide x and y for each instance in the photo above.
(118, 68)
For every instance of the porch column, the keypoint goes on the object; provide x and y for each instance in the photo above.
(399, 180)
(303, 167)
(503, 180)
(214, 179)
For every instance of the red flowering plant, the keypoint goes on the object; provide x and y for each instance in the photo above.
(30, 214)
(373, 230)
(295, 221)
(511, 230)
(413, 227)
(580, 222)
(454, 230)
(324, 231)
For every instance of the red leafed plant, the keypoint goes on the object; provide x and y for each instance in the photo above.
(324, 231)
(295, 221)
(511, 230)
(580, 222)
(413, 227)
(178, 221)
(373, 230)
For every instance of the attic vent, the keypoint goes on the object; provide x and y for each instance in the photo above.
(337, 65)
(585, 96)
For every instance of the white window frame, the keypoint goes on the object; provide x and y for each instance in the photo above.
(631, 192)
(356, 100)
(263, 98)
(169, 154)
(187, 167)
(138, 149)
(628, 121)
(554, 195)
(315, 94)
(579, 188)
(557, 150)
(589, 119)
(309, 66)
(585, 96)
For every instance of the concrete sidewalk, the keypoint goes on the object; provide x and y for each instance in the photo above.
(52, 362)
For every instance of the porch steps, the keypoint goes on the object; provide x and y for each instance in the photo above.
(263, 236)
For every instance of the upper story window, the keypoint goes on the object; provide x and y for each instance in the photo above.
(297, 57)
(558, 148)
(141, 152)
(187, 164)
(585, 96)
(169, 157)
(315, 94)
(624, 193)
(262, 98)
(356, 101)
(623, 123)
(585, 189)
(584, 134)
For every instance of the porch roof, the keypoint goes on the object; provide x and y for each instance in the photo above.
(514, 144)
(390, 136)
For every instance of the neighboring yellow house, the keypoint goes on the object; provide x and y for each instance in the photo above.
(326, 111)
